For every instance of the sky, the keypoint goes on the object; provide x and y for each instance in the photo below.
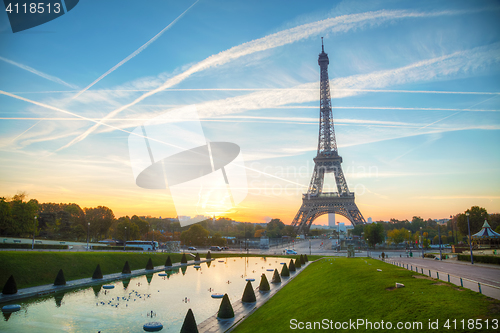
(415, 96)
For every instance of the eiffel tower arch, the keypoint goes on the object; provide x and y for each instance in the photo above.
(316, 202)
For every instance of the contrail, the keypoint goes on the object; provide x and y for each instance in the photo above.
(340, 24)
(119, 129)
(42, 74)
(136, 52)
(17, 137)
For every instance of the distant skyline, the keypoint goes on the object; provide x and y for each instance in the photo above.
(415, 95)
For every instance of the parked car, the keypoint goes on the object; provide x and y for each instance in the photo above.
(192, 248)
(215, 248)
(288, 251)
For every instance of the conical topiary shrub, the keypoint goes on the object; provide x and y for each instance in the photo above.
(60, 280)
(197, 258)
(168, 263)
(97, 273)
(184, 259)
(276, 277)
(302, 260)
(248, 294)
(126, 268)
(305, 258)
(189, 325)
(284, 270)
(264, 284)
(291, 266)
(225, 309)
(149, 265)
(297, 263)
(10, 286)
(209, 255)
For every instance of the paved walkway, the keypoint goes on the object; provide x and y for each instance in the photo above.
(243, 310)
(50, 288)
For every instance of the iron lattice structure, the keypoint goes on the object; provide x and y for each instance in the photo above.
(316, 202)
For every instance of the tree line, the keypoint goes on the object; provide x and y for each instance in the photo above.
(455, 231)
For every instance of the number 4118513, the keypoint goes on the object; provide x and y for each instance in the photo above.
(471, 324)
(34, 8)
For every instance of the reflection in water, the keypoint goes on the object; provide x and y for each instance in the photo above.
(183, 269)
(58, 298)
(97, 289)
(126, 283)
(209, 263)
(6, 315)
(149, 277)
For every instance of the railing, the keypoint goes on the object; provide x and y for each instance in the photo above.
(482, 288)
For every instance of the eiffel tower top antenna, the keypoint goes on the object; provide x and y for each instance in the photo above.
(327, 145)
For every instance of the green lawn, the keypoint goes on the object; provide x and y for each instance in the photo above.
(344, 289)
(39, 268)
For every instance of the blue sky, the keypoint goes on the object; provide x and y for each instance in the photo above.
(415, 94)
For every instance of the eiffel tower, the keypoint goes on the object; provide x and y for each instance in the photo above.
(316, 202)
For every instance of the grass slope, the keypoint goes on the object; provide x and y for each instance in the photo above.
(350, 288)
(39, 268)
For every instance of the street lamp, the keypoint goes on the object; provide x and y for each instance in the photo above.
(34, 231)
(338, 248)
(88, 232)
(470, 240)
(247, 245)
(367, 248)
(125, 242)
(310, 247)
(440, 253)
(422, 241)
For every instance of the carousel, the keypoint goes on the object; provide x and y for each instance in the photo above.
(486, 238)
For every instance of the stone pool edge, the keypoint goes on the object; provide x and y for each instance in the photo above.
(48, 289)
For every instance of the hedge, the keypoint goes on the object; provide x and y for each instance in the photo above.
(484, 259)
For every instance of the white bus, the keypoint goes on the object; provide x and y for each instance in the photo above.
(145, 245)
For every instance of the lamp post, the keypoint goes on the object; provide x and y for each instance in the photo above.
(440, 253)
(88, 232)
(422, 241)
(34, 231)
(338, 248)
(470, 240)
(125, 242)
(247, 245)
(367, 248)
(309, 246)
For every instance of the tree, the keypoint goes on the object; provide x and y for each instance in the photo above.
(218, 240)
(477, 216)
(374, 233)
(358, 229)
(143, 225)
(5, 217)
(196, 235)
(132, 231)
(100, 219)
(258, 233)
(444, 240)
(397, 236)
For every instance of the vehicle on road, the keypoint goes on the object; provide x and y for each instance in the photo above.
(215, 248)
(145, 245)
(192, 248)
(289, 251)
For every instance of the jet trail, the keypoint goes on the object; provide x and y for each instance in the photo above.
(42, 74)
(136, 52)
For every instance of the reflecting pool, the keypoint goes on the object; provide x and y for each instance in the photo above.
(139, 300)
